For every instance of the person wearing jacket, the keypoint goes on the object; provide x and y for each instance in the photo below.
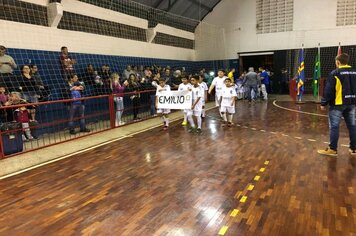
(340, 95)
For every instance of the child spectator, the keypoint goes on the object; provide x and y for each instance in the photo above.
(22, 116)
(185, 86)
(3, 100)
(29, 88)
(163, 113)
(118, 91)
(227, 102)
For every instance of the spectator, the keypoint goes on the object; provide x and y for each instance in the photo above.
(67, 62)
(264, 82)
(118, 90)
(105, 75)
(3, 100)
(251, 82)
(22, 116)
(127, 72)
(7, 65)
(76, 106)
(42, 90)
(134, 88)
(29, 88)
(89, 75)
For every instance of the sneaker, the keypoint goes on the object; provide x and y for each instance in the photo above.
(72, 132)
(229, 124)
(184, 123)
(86, 130)
(198, 131)
(328, 152)
(165, 127)
(352, 152)
(121, 123)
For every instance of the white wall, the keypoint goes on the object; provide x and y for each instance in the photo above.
(314, 22)
(19, 35)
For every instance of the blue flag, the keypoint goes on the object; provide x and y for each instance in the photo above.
(301, 75)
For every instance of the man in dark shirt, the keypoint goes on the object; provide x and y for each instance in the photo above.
(340, 95)
(67, 62)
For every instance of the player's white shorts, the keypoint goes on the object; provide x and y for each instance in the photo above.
(195, 112)
(163, 111)
(225, 109)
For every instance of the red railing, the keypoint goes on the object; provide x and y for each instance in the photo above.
(101, 114)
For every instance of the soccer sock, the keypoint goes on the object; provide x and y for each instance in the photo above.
(230, 118)
(224, 116)
(185, 117)
(199, 121)
(167, 120)
(203, 112)
(191, 121)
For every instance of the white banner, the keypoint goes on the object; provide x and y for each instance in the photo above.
(175, 100)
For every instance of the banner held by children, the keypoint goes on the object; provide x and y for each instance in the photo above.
(175, 100)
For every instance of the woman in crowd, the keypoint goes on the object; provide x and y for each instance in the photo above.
(118, 91)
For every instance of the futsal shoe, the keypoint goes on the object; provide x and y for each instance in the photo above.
(86, 130)
(165, 128)
(328, 152)
(191, 129)
(229, 124)
(352, 152)
(198, 131)
(184, 123)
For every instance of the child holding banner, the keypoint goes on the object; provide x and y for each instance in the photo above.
(197, 106)
(185, 86)
(227, 102)
(163, 113)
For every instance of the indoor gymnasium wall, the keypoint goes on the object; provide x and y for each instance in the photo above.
(313, 22)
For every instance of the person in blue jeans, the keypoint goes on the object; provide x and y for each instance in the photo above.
(339, 94)
(76, 106)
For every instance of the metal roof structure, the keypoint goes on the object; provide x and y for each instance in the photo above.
(192, 9)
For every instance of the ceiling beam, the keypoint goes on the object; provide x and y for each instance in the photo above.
(158, 3)
(171, 4)
(202, 5)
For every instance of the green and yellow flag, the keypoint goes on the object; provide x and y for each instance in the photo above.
(316, 77)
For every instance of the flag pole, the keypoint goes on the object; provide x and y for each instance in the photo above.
(318, 101)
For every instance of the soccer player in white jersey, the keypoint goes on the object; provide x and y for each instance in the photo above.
(185, 86)
(205, 89)
(197, 106)
(163, 113)
(218, 84)
(227, 102)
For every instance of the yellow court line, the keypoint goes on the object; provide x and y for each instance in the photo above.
(234, 213)
(250, 187)
(266, 162)
(257, 178)
(223, 230)
(243, 199)
(262, 169)
(302, 112)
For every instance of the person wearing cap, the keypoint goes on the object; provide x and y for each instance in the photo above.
(7, 66)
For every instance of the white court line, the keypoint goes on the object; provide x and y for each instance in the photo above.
(311, 140)
(326, 142)
(253, 128)
(298, 137)
(262, 130)
(303, 112)
(344, 145)
(273, 132)
(86, 149)
(285, 135)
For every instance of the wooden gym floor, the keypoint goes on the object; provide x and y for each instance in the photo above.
(260, 177)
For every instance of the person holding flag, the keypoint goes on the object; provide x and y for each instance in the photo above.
(301, 76)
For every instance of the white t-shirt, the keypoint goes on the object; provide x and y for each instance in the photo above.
(204, 86)
(227, 94)
(160, 90)
(219, 84)
(185, 87)
(198, 92)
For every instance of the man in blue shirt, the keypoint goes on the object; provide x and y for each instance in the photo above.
(264, 82)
